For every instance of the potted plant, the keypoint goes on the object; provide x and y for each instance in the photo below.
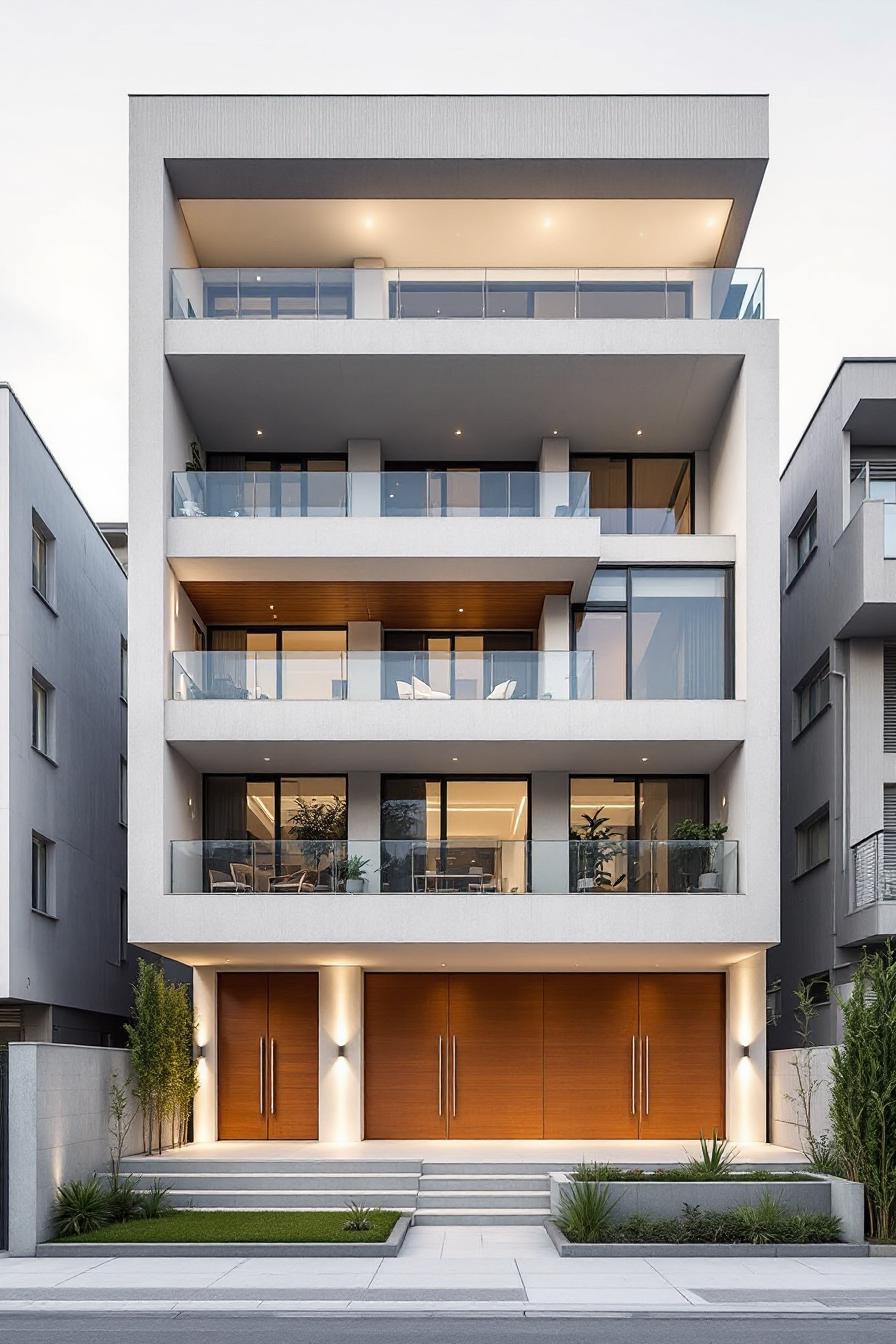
(699, 850)
(354, 874)
(596, 846)
(318, 825)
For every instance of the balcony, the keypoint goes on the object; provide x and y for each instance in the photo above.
(254, 293)
(370, 494)
(474, 865)
(871, 914)
(385, 675)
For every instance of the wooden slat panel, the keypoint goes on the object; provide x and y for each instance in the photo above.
(404, 1015)
(497, 1021)
(589, 1024)
(242, 1023)
(683, 1018)
(293, 1031)
(412, 606)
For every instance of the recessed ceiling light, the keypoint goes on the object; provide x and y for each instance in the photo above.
(267, 758)
(454, 758)
(258, 277)
(259, 432)
(458, 433)
(272, 606)
(368, 221)
(643, 758)
(639, 432)
(547, 221)
(555, 431)
(461, 610)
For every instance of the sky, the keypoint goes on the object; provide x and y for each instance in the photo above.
(824, 227)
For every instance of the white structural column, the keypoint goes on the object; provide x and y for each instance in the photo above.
(746, 1030)
(553, 641)
(205, 1107)
(341, 1018)
(550, 833)
(364, 823)
(553, 465)
(370, 291)
(365, 462)
(365, 640)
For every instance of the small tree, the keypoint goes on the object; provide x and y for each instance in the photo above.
(820, 1149)
(863, 1095)
(121, 1117)
(596, 847)
(161, 1041)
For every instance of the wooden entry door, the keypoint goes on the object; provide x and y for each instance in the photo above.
(682, 1074)
(405, 1056)
(495, 1067)
(267, 1055)
(590, 1056)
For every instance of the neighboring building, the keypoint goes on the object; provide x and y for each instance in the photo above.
(116, 535)
(838, 627)
(489, 603)
(65, 964)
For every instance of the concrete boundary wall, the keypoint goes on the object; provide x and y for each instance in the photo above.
(58, 1128)
(786, 1123)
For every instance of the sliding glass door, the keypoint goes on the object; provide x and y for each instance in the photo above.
(277, 664)
(459, 666)
(619, 828)
(276, 833)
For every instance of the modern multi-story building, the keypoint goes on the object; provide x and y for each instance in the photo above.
(65, 965)
(454, 610)
(838, 696)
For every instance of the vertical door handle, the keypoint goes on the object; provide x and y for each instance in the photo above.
(454, 1075)
(633, 1075)
(273, 1104)
(261, 1075)
(646, 1075)
(440, 1075)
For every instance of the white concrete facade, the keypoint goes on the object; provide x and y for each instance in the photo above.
(379, 391)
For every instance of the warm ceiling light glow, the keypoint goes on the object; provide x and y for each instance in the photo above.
(639, 432)
(547, 221)
(259, 432)
(711, 222)
(454, 758)
(724, 800)
(258, 277)
(267, 758)
(643, 758)
(457, 433)
(461, 610)
(368, 221)
(272, 606)
(555, 431)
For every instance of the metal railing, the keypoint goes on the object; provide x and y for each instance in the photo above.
(373, 494)
(333, 674)
(876, 481)
(474, 865)
(546, 293)
(874, 870)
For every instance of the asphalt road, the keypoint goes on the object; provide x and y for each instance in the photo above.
(219, 1329)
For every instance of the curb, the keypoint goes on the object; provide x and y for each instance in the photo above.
(352, 1250)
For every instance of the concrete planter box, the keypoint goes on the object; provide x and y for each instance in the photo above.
(664, 1199)
(357, 1250)
(610, 1250)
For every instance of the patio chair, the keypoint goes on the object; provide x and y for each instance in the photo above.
(190, 509)
(423, 691)
(498, 692)
(243, 876)
(294, 881)
(405, 690)
(218, 881)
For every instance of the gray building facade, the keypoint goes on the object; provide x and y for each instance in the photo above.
(65, 965)
(838, 697)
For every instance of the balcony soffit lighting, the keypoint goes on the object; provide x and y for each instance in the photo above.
(267, 758)
(639, 432)
(259, 432)
(258, 277)
(644, 759)
(458, 433)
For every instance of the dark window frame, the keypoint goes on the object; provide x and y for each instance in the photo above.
(629, 459)
(41, 874)
(40, 683)
(41, 533)
(802, 832)
(819, 673)
(808, 520)
(260, 777)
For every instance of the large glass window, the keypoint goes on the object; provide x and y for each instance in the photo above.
(658, 634)
(286, 833)
(454, 834)
(465, 665)
(640, 494)
(285, 664)
(618, 824)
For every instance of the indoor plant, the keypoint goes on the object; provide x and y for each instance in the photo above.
(698, 851)
(354, 874)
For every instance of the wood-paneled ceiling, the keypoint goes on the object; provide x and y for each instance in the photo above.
(413, 606)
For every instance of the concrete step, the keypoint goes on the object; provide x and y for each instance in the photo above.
(473, 1168)
(292, 1199)
(483, 1199)
(286, 1180)
(480, 1218)
(168, 1163)
(474, 1180)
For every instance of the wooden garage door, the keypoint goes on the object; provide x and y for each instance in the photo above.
(405, 1056)
(496, 1070)
(268, 1055)
(682, 1021)
(590, 1056)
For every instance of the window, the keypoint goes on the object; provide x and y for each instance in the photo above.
(890, 697)
(40, 715)
(617, 826)
(812, 695)
(813, 842)
(123, 791)
(643, 494)
(121, 949)
(123, 671)
(41, 559)
(773, 1004)
(804, 538)
(658, 634)
(39, 874)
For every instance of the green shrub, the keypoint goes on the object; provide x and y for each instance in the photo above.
(602, 1171)
(585, 1212)
(716, 1159)
(81, 1206)
(762, 1224)
(125, 1200)
(360, 1218)
(155, 1200)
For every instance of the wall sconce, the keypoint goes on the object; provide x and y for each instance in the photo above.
(198, 1051)
(746, 1052)
(340, 1051)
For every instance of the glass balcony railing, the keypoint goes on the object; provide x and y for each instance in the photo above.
(732, 292)
(372, 494)
(512, 674)
(473, 865)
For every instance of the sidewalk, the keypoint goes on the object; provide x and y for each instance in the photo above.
(488, 1270)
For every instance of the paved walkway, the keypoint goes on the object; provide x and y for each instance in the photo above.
(495, 1270)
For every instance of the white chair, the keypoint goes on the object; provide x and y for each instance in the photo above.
(190, 509)
(405, 690)
(294, 881)
(218, 881)
(498, 692)
(424, 692)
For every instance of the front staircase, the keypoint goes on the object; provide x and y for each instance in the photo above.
(437, 1194)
